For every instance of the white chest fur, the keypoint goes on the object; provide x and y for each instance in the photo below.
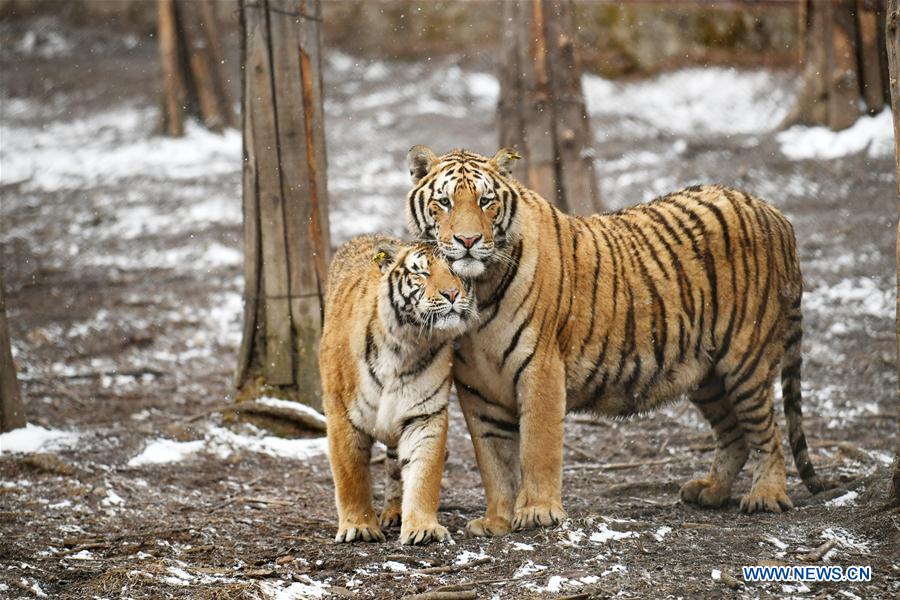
(397, 387)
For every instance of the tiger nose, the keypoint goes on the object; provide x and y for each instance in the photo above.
(467, 241)
(450, 294)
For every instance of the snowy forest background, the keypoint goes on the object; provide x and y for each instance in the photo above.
(121, 254)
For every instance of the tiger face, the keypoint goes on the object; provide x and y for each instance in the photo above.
(422, 290)
(464, 203)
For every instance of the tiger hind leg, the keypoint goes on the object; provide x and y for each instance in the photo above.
(754, 405)
(393, 491)
(731, 447)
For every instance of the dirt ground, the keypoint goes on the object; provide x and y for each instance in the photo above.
(123, 279)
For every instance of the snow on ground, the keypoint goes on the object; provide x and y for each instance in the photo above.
(298, 590)
(109, 147)
(715, 100)
(34, 438)
(873, 135)
(223, 443)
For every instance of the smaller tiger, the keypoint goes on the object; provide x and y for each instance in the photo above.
(391, 313)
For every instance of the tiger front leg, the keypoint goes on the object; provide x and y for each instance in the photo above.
(421, 461)
(542, 410)
(349, 454)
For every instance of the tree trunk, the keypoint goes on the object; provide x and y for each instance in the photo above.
(12, 413)
(542, 109)
(191, 58)
(844, 63)
(286, 238)
(892, 26)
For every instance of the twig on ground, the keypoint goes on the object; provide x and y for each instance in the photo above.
(580, 452)
(454, 568)
(627, 465)
(462, 595)
(819, 553)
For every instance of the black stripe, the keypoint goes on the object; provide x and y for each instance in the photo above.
(510, 426)
(420, 418)
(515, 338)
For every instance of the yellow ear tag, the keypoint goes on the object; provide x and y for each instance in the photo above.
(513, 155)
(379, 257)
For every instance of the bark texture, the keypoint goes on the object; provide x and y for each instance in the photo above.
(844, 63)
(286, 239)
(12, 412)
(191, 58)
(893, 51)
(542, 109)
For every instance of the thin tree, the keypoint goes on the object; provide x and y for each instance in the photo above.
(286, 238)
(542, 110)
(893, 51)
(12, 413)
(844, 62)
(191, 59)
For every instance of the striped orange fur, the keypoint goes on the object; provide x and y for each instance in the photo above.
(391, 313)
(696, 293)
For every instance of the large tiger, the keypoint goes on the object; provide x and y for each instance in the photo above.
(695, 293)
(391, 311)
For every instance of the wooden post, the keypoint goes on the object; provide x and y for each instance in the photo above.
(542, 109)
(892, 34)
(843, 62)
(193, 81)
(286, 238)
(12, 413)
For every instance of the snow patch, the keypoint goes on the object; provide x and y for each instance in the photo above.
(861, 296)
(661, 533)
(34, 438)
(223, 443)
(848, 499)
(161, 451)
(113, 146)
(522, 547)
(299, 590)
(466, 556)
(604, 534)
(396, 567)
(691, 101)
(845, 539)
(871, 134)
(528, 568)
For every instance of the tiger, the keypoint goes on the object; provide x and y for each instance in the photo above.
(696, 293)
(391, 313)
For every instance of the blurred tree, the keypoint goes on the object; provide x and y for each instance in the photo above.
(12, 413)
(844, 62)
(892, 25)
(286, 238)
(542, 109)
(193, 82)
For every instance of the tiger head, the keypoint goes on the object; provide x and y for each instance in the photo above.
(419, 289)
(464, 203)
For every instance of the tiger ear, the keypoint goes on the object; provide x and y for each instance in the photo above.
(385, 254)
(504, 159)
(419, 159)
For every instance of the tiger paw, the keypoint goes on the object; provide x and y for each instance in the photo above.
(390, 516)
(766, 499)
(414, 536)
(488, 527)
(705, 492)
(538, 515)
(358, 532)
